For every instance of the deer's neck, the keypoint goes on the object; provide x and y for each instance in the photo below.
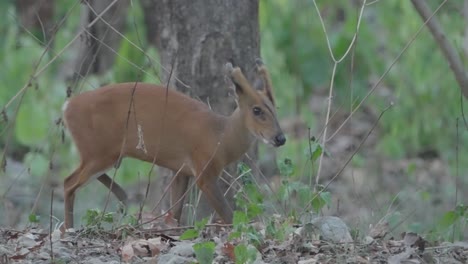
(236, 137)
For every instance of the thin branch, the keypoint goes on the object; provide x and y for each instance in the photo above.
(350, 157)
(465, 37)
(446, 47)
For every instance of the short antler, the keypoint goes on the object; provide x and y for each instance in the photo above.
(265, 79)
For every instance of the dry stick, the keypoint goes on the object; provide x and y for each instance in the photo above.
(124, 143)
(351, 157)
(50, 225)
(161, 131)
(336, 62)
(465, 49)
(327, 119)
(446, 47)
(457, 173)
(162, 230)
(465, 38)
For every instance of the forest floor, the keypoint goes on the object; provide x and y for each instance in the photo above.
(86, 246)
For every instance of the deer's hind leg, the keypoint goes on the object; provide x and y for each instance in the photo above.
(178, 193)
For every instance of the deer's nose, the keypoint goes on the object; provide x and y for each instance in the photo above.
(280, 140)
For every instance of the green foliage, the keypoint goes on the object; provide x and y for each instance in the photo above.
(243, 230)
(452, 224)
(303, 193)
(245, 254)
(244, 172)
(250, 200)
(286, 167)
(204, 252)
(315, 151)
(34, 218)
(278, 229)
(94, 217)
(194, 232)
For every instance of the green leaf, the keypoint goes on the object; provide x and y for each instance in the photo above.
(189, 234)
(199, 225)
(204, 252)
(245, 254)
(239, 218)
(320, 201)
(317, 150)
(34, 218)
(286, 167)
(240, 251)
(326, 197)
(234, 235)
(448, 219)
(95, 217)
(108, 217)
(254, 210)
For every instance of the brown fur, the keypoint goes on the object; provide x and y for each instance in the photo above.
(166, 127)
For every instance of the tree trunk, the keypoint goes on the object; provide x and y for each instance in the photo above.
(37, 16)
(97, 49)
(196, 39)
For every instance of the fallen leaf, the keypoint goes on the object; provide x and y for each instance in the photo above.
(228, 250)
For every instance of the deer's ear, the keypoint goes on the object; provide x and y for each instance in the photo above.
(243, 88)
(263, 81)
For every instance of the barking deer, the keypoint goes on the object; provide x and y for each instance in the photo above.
(154, 124)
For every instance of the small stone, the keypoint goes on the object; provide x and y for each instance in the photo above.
(183, 249)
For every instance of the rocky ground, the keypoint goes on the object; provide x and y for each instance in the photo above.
(321, 240)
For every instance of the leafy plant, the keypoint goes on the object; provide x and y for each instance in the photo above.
(452, 224)
(245, 254)
(294, 193)
(34, 218)
(204, 252)
(194, 232)
(94, 217)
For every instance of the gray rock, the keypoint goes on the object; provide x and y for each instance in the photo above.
(183, 249)
(329, 228)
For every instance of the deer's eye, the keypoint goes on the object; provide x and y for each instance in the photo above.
(257, 111)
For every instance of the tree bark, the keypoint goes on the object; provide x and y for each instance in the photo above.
(97, 49)
(196, 39)
(37, 16)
